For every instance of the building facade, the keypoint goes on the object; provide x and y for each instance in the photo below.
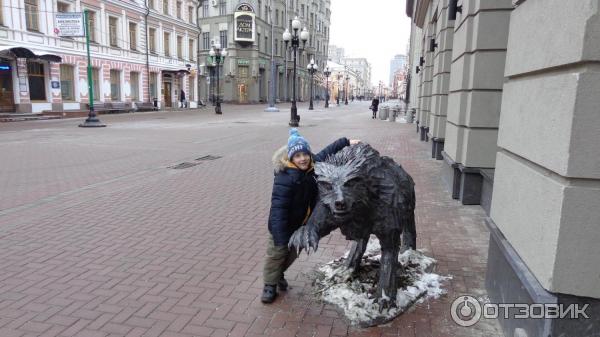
(140, 51)
(361, 70)
(247, 68)
(151, 50)
(517, 131)
(397, 63)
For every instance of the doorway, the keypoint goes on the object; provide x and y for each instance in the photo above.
(243, 93)
(7, 99)
(167, 94)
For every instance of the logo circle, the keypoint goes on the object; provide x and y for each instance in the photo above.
(466, 311)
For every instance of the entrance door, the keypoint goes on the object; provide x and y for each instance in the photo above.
(7, 103)
(167, 94)
(243, 93)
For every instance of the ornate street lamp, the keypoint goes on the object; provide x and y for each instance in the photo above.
(218, 55)
(339, 78)
(312, 69)
(295, 39)
(327, 72)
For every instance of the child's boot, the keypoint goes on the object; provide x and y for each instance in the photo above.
(269, 294)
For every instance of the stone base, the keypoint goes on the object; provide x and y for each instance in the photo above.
(24, 108)
(487, 189)
(451, 175)
(465, 183)
(508, 280)
(437, 146)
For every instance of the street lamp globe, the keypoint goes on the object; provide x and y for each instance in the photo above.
(287, 36)
(224, 52)
(296, 24)
(304, 35)
(212, 52)
(217, 45)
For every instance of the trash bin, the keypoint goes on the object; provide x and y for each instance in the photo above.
(155, 100)
(384, 112)
(394, 114)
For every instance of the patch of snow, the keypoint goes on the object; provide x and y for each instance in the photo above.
(354, 293)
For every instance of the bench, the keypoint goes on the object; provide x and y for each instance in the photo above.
(145, 106)
(113, 107)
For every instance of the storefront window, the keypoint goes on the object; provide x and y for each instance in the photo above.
(96, 83)
(115, 85)
(153, 92)
(37, 82)
(67, 85)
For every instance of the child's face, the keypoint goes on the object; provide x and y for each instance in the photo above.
(301, 160)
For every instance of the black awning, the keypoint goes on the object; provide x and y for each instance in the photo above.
(176, 72)
(50, 58)
(24, 53)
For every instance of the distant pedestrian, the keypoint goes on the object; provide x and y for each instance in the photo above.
(375, 106)
(293, 199)
(182, 99)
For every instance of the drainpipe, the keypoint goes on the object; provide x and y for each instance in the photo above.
(198, 53)
(147, 50)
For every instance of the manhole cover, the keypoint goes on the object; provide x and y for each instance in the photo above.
(209, 157)
(181, 166)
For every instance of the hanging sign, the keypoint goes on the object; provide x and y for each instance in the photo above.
(245, 24)
(69, 24)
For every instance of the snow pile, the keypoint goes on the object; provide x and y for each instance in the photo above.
(354, 293)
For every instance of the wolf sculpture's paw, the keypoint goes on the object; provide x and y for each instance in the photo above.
(304, 238)
(385, 303)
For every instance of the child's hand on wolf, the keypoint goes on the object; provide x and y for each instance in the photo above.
(354, 141)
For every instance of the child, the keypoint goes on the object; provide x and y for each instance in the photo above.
(294, 197)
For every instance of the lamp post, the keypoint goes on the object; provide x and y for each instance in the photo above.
(218, 55)
(346, 90)
(295, 39)
(312, 69)
(327, 72)
(339, 77)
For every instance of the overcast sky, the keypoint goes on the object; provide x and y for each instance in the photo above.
(374, 29)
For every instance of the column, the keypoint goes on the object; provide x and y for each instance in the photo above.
(544, 224)
(476, 79)
(23, 105)
(442, 61)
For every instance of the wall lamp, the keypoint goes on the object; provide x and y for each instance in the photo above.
(418, 69)
(421, 61)
(454, 8)
(432, 45)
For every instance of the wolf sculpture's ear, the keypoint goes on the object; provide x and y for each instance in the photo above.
(322, 169)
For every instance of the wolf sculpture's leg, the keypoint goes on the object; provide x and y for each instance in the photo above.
(387, 287)
(409, 234)
(356, 253)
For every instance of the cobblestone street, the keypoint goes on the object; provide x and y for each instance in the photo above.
(100, 236)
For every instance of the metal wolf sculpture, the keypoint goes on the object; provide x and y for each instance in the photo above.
(363, 193)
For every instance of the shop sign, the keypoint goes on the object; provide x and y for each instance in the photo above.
(55, 84)
(69, 24)
(245, 23)
(243, 62)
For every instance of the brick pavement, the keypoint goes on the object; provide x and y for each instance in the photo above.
(99, 238)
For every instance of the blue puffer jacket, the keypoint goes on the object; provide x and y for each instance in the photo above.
(294, 193)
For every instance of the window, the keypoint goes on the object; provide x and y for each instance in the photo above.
(92, 27)
(179, 9)
(37, 82)
(134, 80)
(152, 39)
(67, 88)
(243, 71)
(153, 81)
(277, 47)
(1, 14)
(180, 47)
(96, 83)
(223, 7)
(258, 40)
(132, 36)
(259, 6)
(206, 40)
(167, 42)
(191, 50)
(115, 85)
(112, 30)
(31, 15)
(151, 4)
(205, 9)
(223, 38)
(277, 17)
(166, 7)
(302, 11)
(266, 43)
(62, 7)
(191, 14)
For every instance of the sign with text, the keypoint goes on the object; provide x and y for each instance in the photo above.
(69, 24)
(245, 25)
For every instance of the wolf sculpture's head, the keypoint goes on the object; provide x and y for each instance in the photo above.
(345, 185)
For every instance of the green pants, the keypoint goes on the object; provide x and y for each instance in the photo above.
(278, 260)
